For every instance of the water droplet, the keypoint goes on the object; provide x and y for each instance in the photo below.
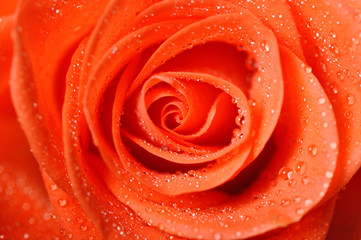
(321, 100)
(300, 167)
(304, 120)
(62, 202)
(240, 120)
(348, 114)
(83, 228)
(340, 75)
(217, 236)
(333, 145)
(300, 150)
(265, 46)
(115, 49)
(53, 187)
(334, 48)
(329, 174)
(292, 183)
(308, 69)
(300, 211)
(285, 202)
(192, 173)
(285, 173)
(312, 149)
(308, 202)
(351, 99)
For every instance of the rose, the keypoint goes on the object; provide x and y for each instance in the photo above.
(269, 137)
(64, 147)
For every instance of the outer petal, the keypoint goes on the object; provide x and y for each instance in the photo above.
(24, 203)
(313, 226)
(25, 208)
(331, 40)
(72, 220)
(41, 57)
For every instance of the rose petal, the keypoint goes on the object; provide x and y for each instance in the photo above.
(112, 218)
(314, 225)
(25, 208)
(276, 15)
(24, 203)
(105, 73)
(331, 40)
(72, 220)
(42, 53)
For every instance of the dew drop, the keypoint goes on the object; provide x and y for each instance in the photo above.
(285, 173)
(265, 46)
(329, 174)
(321, 100)
(192, 173)
(240, 120)
(285, 202)
(304, 120)
(300, 211)
(334, 48)
(340, 75)
(115, 49)
(83, 228)
(333, 145)
(351, 99)
(348, 114)
(308, 202)
(300, 168)
(62, 202)
(217, 236)
(312, 149)
(292, 183)
(308, 69)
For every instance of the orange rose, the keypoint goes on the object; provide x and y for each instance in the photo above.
(173, 119)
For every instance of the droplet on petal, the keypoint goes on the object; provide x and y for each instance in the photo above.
(62, 202)
(300, 167)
